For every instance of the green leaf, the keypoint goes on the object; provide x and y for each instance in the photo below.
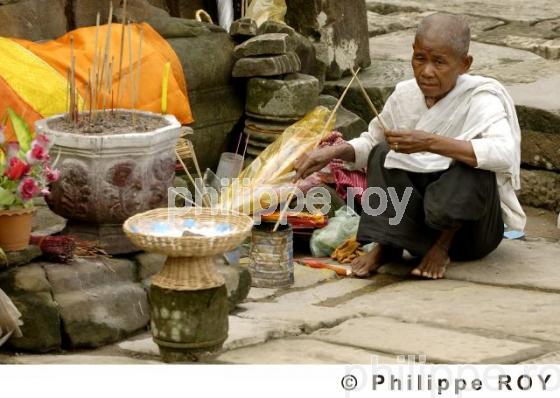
(3, 256)
(21, 129)
(7, 198)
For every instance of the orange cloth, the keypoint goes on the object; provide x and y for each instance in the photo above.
(156, 52)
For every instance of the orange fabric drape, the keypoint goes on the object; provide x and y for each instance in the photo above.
(156, 52)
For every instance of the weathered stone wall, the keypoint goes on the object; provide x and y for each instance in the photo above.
(338, 29)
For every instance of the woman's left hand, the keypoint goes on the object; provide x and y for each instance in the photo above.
(409, 141)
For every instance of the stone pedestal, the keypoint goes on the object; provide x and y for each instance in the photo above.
(188, 322)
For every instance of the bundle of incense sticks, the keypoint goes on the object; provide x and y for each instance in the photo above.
(99, 84)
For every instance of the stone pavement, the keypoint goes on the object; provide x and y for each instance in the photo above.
(502, 309)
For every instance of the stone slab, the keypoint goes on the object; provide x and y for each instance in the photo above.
(27, 19)
(306, 276)
(74, 359)
(282, 99)
(243, 28)
(550, 358)
(265, 44)
(20, 257)
(326, 291)
(437, 344)
(149, 263)
(540, 188)
(515, 10)
(267, 66)
(337, 28)
(302, 351)
(494, 311)
(348, 123)
(245, 332)
(144, 345)
(514, 263)
(306, 317)
(30, 291)
(541, 150)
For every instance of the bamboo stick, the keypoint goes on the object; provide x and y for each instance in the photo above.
(121, 52)
(368, 100)
(325, 127)
(130, 66)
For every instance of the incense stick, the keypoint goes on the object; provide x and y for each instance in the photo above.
(368, 100)
(94, 71)
(121, 52)
(106, 53)
(191, 178)
(138, 73)
(325, 127)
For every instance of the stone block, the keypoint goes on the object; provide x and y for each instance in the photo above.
(402, 338)
(30, 291)
(265, 44)
(541, 150)
(339, 30)
(465, 306)
(302, 351)
(209, 84)
(243, 28)
(149, 264)
(267, 66)
(283, 99)
(540, 188)
(27, 19)
(348, 123)
(304, 48)
(238, 283)
(99, 300)
(20, 257)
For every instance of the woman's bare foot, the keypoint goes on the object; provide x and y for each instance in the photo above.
(364, 265)
(433, 264)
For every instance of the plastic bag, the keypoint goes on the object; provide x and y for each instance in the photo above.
(273, 170)
(225, 13)
(341, 227)
(266, 10)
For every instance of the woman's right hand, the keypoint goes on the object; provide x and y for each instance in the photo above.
(309, 163)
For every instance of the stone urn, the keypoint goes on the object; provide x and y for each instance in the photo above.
(107, 178)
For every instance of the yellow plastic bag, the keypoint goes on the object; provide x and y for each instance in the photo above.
(272, 172)
(266, 10)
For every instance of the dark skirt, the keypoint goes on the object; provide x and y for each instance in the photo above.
(460, 197)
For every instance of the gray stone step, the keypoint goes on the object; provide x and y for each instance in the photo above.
(302, 351)
(515, 10)
(515, 263)
(493, 311)
(265, 44)
(540, 188)
(436, 344)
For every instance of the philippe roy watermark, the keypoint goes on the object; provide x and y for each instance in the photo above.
(412, 374)
(243, 196)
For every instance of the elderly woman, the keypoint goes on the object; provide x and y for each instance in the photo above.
(452, 143)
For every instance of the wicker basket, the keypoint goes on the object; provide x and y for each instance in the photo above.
(190, 246)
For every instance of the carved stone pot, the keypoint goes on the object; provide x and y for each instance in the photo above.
(105, 179)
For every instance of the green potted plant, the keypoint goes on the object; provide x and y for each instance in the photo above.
(25, 173)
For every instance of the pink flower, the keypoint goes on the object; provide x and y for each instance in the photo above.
(52, 175)
(16, 168)
(45, 192)
(38, 153)
(12, 148)
(28, 188)
(42, 140)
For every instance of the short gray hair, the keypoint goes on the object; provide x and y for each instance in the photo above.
(450, 28)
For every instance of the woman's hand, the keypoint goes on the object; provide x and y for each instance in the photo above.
(309, 163)
(410, 141)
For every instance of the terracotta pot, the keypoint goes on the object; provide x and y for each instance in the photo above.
(15, 228)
